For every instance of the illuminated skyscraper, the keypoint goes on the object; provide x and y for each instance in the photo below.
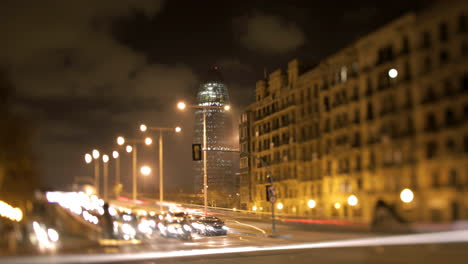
(221, 178)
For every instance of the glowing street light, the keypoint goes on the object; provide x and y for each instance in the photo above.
(337, 206)
(352, 200)
(227, 107)
(279, 206)
(120, 141)
(311, 204)
(105, 158)
(393, 73)
(115, 154)
(145, 170)
(88, 158)
(181, 105)
(178, 129)
(254, 208)
(96, 154)
(128, 148)
(148, 141)
(406, 195)
(143, 128)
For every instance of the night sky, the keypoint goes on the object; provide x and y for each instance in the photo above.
(87, 71)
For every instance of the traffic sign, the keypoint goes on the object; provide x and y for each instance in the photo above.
(271, 193)
(197, 152)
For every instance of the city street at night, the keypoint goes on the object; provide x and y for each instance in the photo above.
(181, 131)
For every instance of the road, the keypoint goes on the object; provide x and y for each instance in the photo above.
(248, 242)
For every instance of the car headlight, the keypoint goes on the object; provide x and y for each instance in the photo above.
(210, 228)
(187, 228)
(128, 230)
(225, 228)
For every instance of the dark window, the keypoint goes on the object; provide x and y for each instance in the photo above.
(431, 149)
(370, 112)
(426, 40)
(450, 143)
(430, 95)
(465, 111)
(326, 103)
(369, 87)
(453, 178)
(407, 71)
(464, 48)
(464, 83)
(443, 57)
(405, 45)
(427, 64)
(443, 32)
(449, 117)
(357, 116)
(462, 24)
(449, 90)
(431, 123)
(465, 143)
(358, 163)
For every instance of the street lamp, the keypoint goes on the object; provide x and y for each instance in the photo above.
(279, 206)
(406, 195)
(128, 148)
(105, 159)
(182, 106)
(96, 156)
(145, 170)
(144, 128)
(311, 204)
(352, 200)
(147, 141)
(88, 158)
(116, 155)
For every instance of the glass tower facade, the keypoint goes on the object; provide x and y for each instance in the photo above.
(221, 178)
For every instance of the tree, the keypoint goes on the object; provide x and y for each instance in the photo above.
(18, 175)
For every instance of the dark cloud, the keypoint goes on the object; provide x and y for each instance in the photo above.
(269, 34)
(78, 81)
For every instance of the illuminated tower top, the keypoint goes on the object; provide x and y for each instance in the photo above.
(212, 90)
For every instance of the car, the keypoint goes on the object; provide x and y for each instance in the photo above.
(175, 230)
(209, 226)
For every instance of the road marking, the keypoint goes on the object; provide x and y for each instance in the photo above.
(252, 226)
(413, 239)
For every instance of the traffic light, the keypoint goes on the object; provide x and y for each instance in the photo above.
(197, 152)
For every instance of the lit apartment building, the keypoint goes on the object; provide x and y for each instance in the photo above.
(387, 113)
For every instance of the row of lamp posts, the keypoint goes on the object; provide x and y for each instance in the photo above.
(130, 148)
(148, 141)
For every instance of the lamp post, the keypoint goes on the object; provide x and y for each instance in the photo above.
(182, 106)
(116, 155)
(144, 128)
(105, 159)
(96, 156)
(133, 148)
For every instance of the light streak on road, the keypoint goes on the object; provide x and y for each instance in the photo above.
(401, 240)
(252, 226)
